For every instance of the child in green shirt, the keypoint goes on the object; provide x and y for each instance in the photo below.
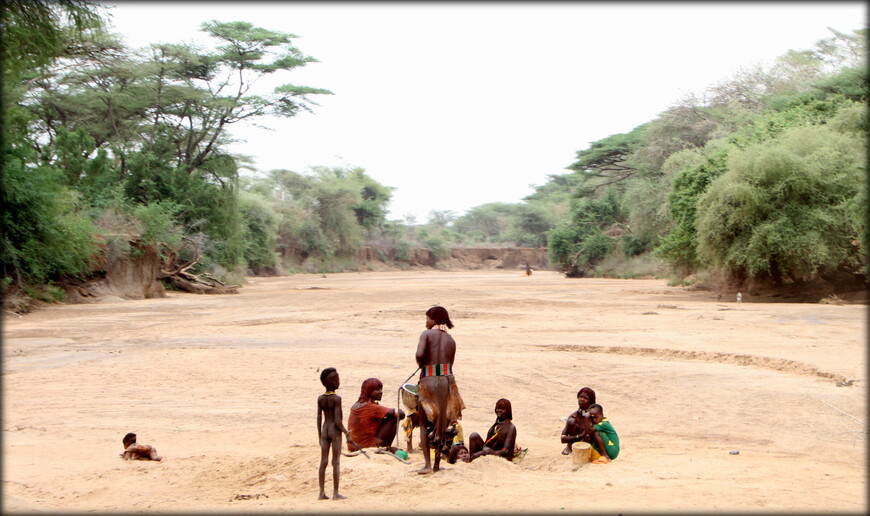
(604, 441)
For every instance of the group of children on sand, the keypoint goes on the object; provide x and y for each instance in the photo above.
(438, 396)
(438, 407)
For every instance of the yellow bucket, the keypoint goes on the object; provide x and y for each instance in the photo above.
(581, 452)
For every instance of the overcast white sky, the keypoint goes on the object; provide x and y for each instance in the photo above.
(457, 105)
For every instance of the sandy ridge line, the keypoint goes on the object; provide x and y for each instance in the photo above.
(776, 364)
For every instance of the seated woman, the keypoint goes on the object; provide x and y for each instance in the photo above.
(578, 423)
(501, 439)
(369, 423)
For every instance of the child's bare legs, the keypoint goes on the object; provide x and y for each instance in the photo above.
(599, 443)
(321, 473)
(412, 421)
(475, 443)
(336, 457)
(154, 455)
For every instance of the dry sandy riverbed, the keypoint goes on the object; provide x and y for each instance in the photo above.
(226, 386)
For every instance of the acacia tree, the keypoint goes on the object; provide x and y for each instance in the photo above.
(796, 71)
(224, 78)
(156, 122)
(35, 33)
(607, 161)
(173, 101)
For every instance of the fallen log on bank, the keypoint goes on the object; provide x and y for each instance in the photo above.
(180, 277)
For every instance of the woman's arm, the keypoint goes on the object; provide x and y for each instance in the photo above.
(509, 443)
(421, 349)
(568, 433)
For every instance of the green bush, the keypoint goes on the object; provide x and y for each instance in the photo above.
(402, 251)
(582, 242)
(158, 224)
(46, 293)
(437, 248)
(259, 233)
(781, 210)
(679, 246)
(43, 234)
(563, 244)
(633, 245)
(594, 248)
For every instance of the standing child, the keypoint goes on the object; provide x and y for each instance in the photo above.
(133, 451)
(329, 431)
(603, 438)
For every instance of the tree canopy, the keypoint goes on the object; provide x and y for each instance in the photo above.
(759, 178)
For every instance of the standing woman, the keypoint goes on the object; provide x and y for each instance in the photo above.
(501, 438)
(439, 399)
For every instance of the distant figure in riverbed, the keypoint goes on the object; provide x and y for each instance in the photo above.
(133, 451)
(528, 269)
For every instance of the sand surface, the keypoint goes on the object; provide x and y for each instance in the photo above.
(225, 387)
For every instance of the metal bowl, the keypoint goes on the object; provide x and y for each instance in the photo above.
(409, 396)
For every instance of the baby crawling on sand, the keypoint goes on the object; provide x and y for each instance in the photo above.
(133, 451)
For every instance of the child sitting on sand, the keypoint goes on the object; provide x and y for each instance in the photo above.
(603, 438)
(459, 452)
(133, 451)
(454, 435)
